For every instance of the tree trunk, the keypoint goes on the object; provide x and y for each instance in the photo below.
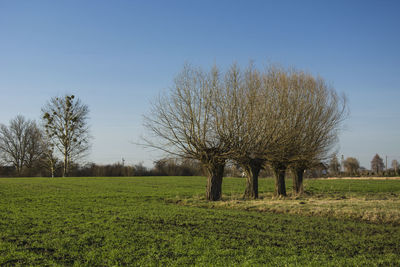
(214, 182)
(18, 168)
(298, 174)
(65, 169)
(52, 168)
(252, 171)
(280, 187)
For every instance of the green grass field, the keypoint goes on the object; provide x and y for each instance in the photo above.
(166, 221)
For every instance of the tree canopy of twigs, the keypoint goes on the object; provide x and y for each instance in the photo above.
(314, 116)
(185, 122)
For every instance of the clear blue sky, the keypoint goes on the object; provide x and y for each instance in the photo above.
(117, 55)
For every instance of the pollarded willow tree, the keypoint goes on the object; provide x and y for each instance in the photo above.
(323, 112)
(249, 122)
(310, 115)
(184, 122)
(281, 85)
(66, 126)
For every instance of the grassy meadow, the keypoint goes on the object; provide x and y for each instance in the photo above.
(166, 221)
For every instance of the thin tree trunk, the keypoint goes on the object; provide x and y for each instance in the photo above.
(51, 168)
(280, 187)
(65, 169)
(298, 174)
(252, 171)
(214, 182)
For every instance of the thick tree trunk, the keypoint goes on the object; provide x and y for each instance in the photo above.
(298, 174)
(252, 171)
(280, 187)
(18, 169)
(214, 182)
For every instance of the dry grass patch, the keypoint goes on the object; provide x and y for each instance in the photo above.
(360, 178)
(381, 209)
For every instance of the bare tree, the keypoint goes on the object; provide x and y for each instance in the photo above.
(322, 112)
(377, 165)
(288, 113)
(351, 166)
(20, 143)
(395, 166)
(49, 159)
(282, 151)
(334, 165)
(35, 149)
(65, 119)
(249, 122)
(309, 114)
(184, 122)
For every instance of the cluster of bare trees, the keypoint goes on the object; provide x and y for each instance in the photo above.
(161, 167)
(283, 118)
(21, 144)
(63, 133)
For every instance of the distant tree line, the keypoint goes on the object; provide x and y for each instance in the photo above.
(162, 167)
(351, 167)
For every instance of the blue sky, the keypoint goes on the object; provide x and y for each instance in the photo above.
(118, 55)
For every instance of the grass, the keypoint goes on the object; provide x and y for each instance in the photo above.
(376, 201)
(166, 221)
